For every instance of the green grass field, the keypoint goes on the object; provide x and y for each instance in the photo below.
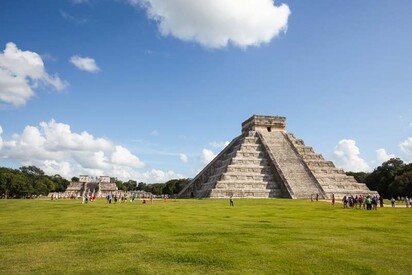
(202, 236)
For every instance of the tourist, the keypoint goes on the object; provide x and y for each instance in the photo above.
(368, 203)
(407, 202)
(317, 197)
(231, 201)
(360, 200)
(350, 201)
(345, 202)
(333, 199)
(375, 203)
(380, 201)
(393, 202)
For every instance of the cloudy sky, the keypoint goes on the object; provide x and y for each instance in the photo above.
(154, 89)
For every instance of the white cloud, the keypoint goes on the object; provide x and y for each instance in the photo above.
(155, 175)
(383, 156)
(85, 64)
(73, 19)
(220, 144)
(207, 156)
(215, 23)
(122, 156)
(20, 73)
(183, 158)
(53, 147)
(79, 1)
(346, 155)
(406, 146)
(155, 133)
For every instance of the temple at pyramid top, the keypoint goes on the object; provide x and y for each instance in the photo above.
(265, 161)
(264, 123)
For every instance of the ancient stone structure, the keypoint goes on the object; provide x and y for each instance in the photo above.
(101, 187)
(268, 162)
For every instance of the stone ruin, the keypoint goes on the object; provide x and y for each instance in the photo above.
(265, 161)
(100, 187)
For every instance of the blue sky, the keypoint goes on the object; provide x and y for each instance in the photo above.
(160, 86)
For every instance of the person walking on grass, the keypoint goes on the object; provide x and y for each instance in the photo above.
(380, 201)
(333, 200)
(368, 203)
(393, 202)
(231, 201)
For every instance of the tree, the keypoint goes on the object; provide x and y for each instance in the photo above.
(175, 186)
(75, 179)
(131, 185)
(141, 186)
(32, 171)
(384, 175)
(402, 185)
(60, 184)
(359, 176)
(155, 188)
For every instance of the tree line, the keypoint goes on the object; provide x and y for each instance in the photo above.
(31, 181)
(28, 182)
(170, 187)
(392, 178)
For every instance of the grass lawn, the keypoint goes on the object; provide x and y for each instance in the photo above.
(202, 236)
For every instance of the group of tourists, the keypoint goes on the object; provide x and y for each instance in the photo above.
(369, 202)
(406, 200)
(366, 202)
(120, 198)
(124, 198)
(87, 199)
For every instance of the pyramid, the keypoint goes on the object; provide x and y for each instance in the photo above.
(265, 161)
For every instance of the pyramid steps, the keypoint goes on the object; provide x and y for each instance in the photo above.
(293, 169)
(333, 180)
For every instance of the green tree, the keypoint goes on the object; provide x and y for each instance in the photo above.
(359, 176)
(60, 183)
(174, 186)
(131, 185)
(75, 179)
(384, 175)
(141, 186)
(402, 185)
(32, 171)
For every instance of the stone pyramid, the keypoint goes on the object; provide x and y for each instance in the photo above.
(267, 162)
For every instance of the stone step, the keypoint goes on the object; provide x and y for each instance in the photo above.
(251, 169)
(304, 150)
(251, 147)
(317, 163)
(254, 155)
(249, 161)
(246, 177)
(314, 156)
(327, 170)
(251, 193)
(246, 184)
